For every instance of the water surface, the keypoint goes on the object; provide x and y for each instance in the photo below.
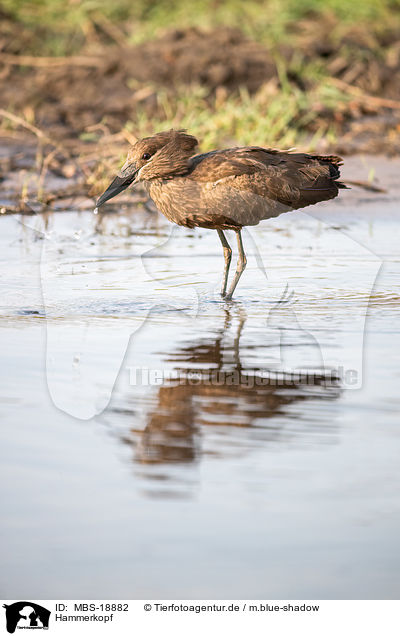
(144, 453)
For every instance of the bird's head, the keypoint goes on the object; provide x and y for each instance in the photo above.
(161, 156)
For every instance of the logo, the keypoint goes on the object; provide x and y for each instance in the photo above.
(26, 615)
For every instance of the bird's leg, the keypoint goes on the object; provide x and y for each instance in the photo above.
(241, 264)
(228, 257)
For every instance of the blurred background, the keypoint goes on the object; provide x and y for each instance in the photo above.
(95, 75)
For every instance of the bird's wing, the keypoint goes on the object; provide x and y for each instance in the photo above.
(295, 180)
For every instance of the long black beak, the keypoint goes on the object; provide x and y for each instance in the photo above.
(118, 185)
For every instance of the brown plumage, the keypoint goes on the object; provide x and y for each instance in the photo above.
(225, 189)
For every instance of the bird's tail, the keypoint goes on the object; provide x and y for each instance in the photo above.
(334, 166)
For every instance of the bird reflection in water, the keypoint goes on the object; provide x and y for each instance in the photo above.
(217, 405)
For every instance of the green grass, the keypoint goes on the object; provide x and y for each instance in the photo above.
(64, 25)
(280, 119)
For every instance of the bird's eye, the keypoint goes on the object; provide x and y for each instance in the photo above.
(146, 156)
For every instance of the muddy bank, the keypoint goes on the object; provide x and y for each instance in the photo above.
(64, 119)
(44, 180)
(68, 95)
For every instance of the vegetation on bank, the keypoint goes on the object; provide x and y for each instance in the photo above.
(330, 75)
(62, 27)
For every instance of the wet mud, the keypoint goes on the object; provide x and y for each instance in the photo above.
(116, 81)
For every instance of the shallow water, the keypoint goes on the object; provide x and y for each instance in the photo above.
(158, 442)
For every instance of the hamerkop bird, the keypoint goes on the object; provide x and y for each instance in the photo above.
(224, 189)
